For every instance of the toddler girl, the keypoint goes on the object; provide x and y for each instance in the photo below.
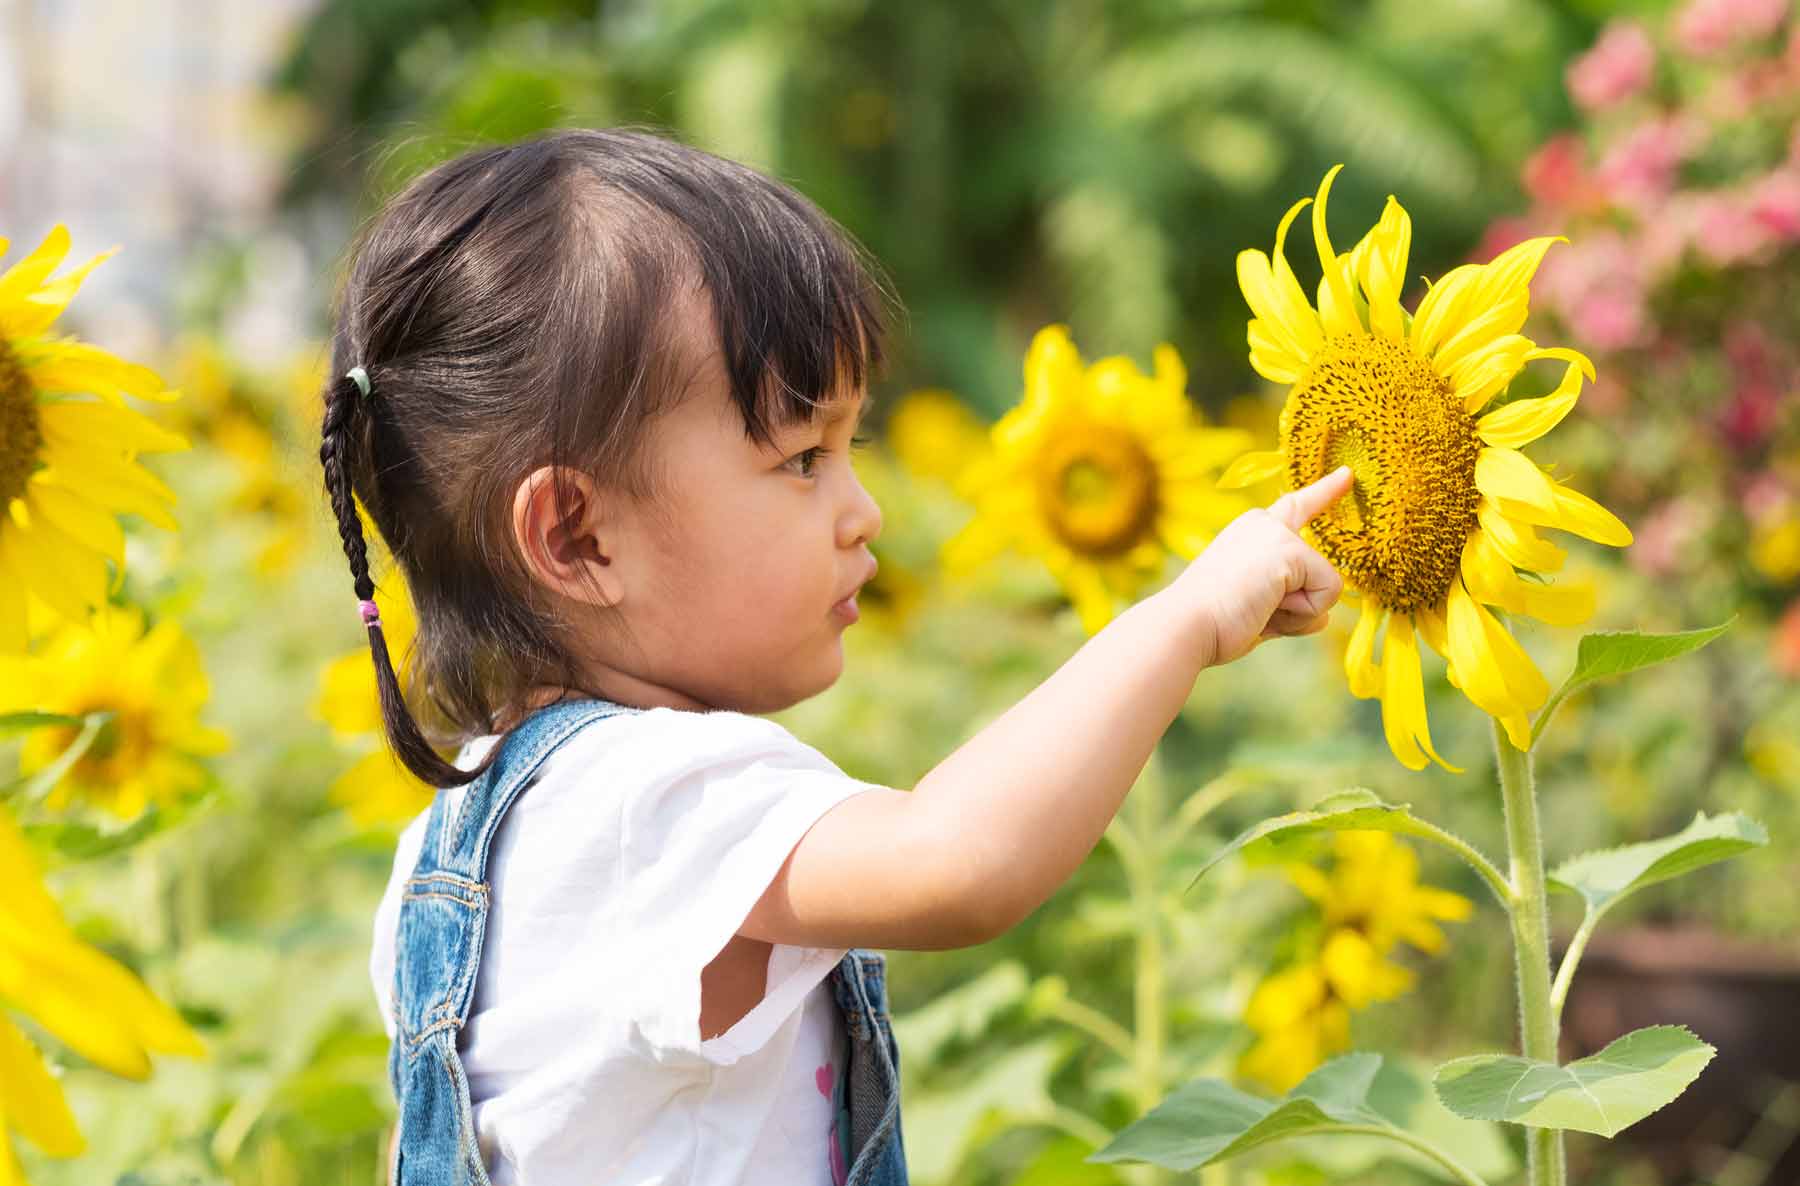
(597, 391)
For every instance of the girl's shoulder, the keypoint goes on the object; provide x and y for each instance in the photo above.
(662, 742)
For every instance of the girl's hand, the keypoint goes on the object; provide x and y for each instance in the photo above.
(1259, 579)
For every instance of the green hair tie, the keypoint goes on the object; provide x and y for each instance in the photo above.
(359, 377)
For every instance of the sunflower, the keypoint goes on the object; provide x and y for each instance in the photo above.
(153, 685)
(1369, 903)
(377, 789)
(935, 435)
(1101, 471)
(1374, 888)
(88, 1000)
(1442, 520)
(67, 463)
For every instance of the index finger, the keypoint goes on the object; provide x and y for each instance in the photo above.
(1297, 507)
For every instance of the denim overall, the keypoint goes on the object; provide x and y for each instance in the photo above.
(443, 917)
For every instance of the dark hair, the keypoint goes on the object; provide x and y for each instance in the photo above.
(512, 309)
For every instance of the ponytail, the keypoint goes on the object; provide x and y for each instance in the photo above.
(345, 399)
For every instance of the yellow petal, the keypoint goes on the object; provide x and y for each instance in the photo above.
(1252, 468)
(57, 993)
(1559, 605)
(1565, 354)
(1508, 275)
(1441, 305)
(1285, 997)
(23, 278)
(1403, 698)
(1481, 672)
(1489, 575)
(1517, 541)
(125, 486)
(1581, 515)
(82, 368)
(1275, 296)
(81, 519)
(89, 425)
(1088, 593)
(1358, 974)
(64, 575)
(39, 310)
(1525, 420)
(1340, 317)
(1272, 358)
(1483, 327)
(1506, 474)
(1390, 243)
(13, 634)
(1360, 667)
(1485, 373)
(31, 1099)
(1053, 370)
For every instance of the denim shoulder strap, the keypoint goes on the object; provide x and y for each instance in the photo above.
(443, 920)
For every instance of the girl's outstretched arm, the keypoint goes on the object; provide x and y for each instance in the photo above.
(992, 830)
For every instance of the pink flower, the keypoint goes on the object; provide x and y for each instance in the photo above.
(1726, 230)
(1775, 202)
(1639, 170)
(1596, 284)
(1705, 27)
(1664, 535)
(1556, 175)
(1764, 497)
(1501, 234)
(1616, 68)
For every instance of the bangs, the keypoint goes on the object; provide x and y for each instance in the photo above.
(801, 310)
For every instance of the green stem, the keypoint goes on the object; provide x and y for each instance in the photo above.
(1565, 974)
(1093, 1023)
(1454, 1167)
(1149, 991)
(1531, 941)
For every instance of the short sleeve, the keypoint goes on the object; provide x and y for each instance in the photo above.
(701, 839)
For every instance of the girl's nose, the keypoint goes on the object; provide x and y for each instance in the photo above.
(861, 520)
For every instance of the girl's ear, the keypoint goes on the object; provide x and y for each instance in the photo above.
(567, 547)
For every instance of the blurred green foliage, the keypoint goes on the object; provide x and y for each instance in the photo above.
(1011, 162)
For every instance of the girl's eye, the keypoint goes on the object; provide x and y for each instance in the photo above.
(807, 459)
(861, 442)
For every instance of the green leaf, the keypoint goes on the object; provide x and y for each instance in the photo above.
(1603, 878)
(1401, 1092)
(1616, 653)
(20, 722)
(943, 1127)
(963, 1013)
(1359, 810)
(1602, 656)
(1603, 1093)
(84, 842)
(1209, 1120)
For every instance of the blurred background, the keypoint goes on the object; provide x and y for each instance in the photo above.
(1012, 163)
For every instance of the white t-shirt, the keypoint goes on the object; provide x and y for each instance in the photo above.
(617, 877)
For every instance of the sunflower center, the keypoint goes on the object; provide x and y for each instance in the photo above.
(21, 437)
(120, 748)
(1098, 488)
(1379, 408)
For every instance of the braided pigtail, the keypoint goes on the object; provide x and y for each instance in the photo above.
(345, 400)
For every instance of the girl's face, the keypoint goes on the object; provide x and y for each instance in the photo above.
(744, 577)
